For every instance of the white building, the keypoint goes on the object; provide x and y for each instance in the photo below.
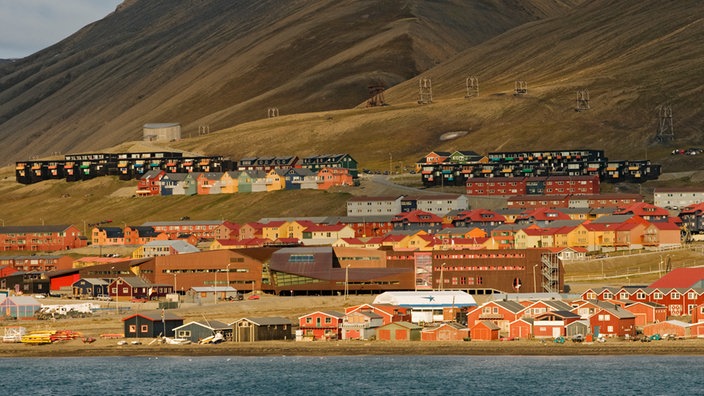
(427, 306)
(677, 198)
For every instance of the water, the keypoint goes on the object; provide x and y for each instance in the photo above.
(359, 375)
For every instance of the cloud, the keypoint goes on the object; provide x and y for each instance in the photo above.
(27, 26)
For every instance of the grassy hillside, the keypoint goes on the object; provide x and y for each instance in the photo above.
(220, 63)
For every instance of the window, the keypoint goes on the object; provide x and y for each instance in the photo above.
(133, 329)
(309, 320)
(657, 296)
(675, 295)
(143, 328)
(640, 296)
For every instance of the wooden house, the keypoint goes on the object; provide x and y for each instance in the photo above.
(197, 331)
(389, 313)
(333, 177)
(190, 183)
(322, 325)
(90, 287)
(399, 331)
(552, 324)
(208, 183)
(151, 324)
(484, 330)
(361, 325)
(128, 288)
(613, 321)
(448, 331)
(261, 329)
(275, 180)
(173, 184)
(500, 313)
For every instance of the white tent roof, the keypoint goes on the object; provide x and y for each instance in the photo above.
(427, 299)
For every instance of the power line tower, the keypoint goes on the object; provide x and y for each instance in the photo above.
(376, 94)
(425, 86)
(203, 129)
(472, 83)
(520, 88)
(666, 131)
(272, 112)
(582, 100)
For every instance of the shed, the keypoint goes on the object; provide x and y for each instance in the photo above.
(676, 327)
(521, 328)
(150, 324)
(19, 307)
(449, 331)
(261, 329)
(484, 330)
(577, 327)
(196, 331)
(163, 132)
(399, 331)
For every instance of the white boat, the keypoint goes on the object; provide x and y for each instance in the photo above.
(176, 341)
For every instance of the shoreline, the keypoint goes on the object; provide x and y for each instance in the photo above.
(109, 348)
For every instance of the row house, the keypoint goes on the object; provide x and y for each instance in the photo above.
(150, 183)
(202, 229)
(548, 185)
(36, 263)
(130, 235)
(607, 319)
(484, 219)
(646, 211)
(326, 234)
(677, 301)
(591, 201)
(439, 204)
(318, 162)
(267, 164)
(633, 171)
(41, 238)
(374, 206)
(677, 198)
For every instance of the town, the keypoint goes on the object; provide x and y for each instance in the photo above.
(439, 269)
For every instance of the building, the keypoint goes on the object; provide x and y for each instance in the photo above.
(261, 329)
(484, 330)
(203, 229)
(547, 185)
(428, 306)
(374, 206)
(42, 238)
(37, 263)
(164, 248)
(448, 331)
(19, 307)
(198, 331)
(399, 331)
(161, 132)
(677, 198)
(151, 324)
(322, 325)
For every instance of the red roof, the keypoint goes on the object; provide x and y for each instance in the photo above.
(680, 278)
(544, 214)
(692, 209)
(417, 216)
(480, 215)
(643, 209)
(325, 227)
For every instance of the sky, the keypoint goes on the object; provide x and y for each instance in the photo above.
(27, 26)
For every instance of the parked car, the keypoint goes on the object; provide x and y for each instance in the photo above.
(253, 297)
(103, 297)
(138, 300)
(577, 338)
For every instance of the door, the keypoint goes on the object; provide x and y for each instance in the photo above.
(556, 332)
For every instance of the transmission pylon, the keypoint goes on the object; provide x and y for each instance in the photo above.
(472, 83)
(520, 88)
(666, 131)
(425, 86)
(582, 100)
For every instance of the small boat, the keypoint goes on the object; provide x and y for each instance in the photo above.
(88, 340)
(176, 341)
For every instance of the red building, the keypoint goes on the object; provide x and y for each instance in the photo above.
(322, 325)
(550, 185)
(399, 331)
(613, 321)
(449, 331)
(552, 324)
(389, 313)
(204, 229)
(591, 201)
(149, 184)
(37, 263)
(521, 328)
(500, 313)
(484, 331)
(647, 312)
(41, 238)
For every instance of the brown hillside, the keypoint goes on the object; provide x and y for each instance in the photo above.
(220, 63)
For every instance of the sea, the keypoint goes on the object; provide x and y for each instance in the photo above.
(355, 375)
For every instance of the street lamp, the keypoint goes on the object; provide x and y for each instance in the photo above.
(227, 273)
(117, 291)
(535, 288)
(174, 274)
(215, 285)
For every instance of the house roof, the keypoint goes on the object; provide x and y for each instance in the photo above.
(488, 324)
(155, 315)
(334, 314)
(178, 245)
(210, 325)
(265, 321)
(33, 229)
(426, 299)
(680, 277)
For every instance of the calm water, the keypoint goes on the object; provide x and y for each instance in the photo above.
(359, 375)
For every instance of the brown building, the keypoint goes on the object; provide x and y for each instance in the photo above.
(484, 271)
(241, 269)
(48, 238)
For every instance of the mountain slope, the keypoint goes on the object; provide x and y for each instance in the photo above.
(222, 62)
